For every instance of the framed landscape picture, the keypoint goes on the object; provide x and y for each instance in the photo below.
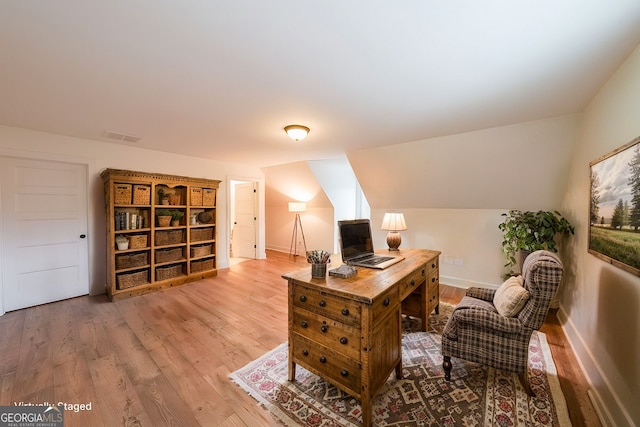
(614, 211)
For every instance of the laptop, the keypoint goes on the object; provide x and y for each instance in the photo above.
(356, 246)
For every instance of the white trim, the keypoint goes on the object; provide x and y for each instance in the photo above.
(459, 282)
(593, 373)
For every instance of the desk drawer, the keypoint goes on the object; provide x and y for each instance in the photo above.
(385, 304)
(334, 307)
(432, 265)
(412, 281)
(340, 370)
(433, 283)
(330, 333)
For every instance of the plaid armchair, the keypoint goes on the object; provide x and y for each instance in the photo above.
(478, 333)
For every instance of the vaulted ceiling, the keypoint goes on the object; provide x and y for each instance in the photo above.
(220, 79)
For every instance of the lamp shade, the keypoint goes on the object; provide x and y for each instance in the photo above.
(296, 132)
(393, 221)
(297, 207)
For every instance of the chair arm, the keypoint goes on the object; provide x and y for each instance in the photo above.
(487, 320)
(481, 293)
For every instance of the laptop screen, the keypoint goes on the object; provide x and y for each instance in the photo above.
(355, 238)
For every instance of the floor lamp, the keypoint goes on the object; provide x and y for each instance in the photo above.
(297, 207)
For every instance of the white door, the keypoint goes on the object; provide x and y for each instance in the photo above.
(44, 225)
(244, 228)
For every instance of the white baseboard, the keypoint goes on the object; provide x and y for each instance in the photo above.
(609, 416)
(458, 282)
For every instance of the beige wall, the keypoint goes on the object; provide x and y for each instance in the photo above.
(600, 304)
(99, 155)
(296, 182)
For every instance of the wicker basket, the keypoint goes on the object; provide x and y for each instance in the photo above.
(203, 265)
(168, 272)
(137, 241)
(208, 197)
(168, 237)
(129, 280)
(122, 194)
(200, 250)
(200, 234)
(164, 220)
(141, 195)
(196, 196)
(132, 260)
(168, 255)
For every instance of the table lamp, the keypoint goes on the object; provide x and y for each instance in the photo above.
(393, 222)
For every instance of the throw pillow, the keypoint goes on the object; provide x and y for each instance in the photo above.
(510, 297)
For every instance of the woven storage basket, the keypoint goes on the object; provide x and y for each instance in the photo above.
(200, 234)
(132, 260)
(168, 237)
(164, 220)
(128, 280)
(196, 196)
(122, 194)
(203, 265)
(208, 197)
(168, 255)
(141, 195)
(200, 250)
(137, 241)
(169, 272)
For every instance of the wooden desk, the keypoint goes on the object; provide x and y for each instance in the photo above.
(348, 331)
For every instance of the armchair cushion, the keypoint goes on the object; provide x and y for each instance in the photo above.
(510, 297)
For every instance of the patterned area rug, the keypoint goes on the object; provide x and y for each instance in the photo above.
(476, 396)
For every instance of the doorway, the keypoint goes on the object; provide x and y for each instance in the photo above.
(242, 220)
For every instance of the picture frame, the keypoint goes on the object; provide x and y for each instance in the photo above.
(614, 207)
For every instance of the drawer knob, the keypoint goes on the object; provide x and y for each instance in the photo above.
(323, 359)
(304, 324)
(413, 282)
(433, 266)
(423, 272)
(324, 328)
(345, 311)
(433, 280)
(303, 298)
(322, 303)
(344, 340)
(305, 352)
(386, 302)
(344, 373)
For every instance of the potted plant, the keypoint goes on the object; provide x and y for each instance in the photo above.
(525, 232)
(176, 216)
(163, 196)
(164, 217)
(122, 242)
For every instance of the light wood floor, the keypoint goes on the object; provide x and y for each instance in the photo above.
(163, 358)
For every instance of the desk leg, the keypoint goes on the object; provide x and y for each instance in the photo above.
(292, 365)
(367, 409)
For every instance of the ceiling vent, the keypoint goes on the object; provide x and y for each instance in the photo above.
(121, 137)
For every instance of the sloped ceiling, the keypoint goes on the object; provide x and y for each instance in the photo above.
(220, 79)
(521, 166)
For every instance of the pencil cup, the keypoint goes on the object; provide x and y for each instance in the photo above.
(318, 271)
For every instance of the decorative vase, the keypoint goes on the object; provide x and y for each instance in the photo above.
(175, 222)
(123, 246)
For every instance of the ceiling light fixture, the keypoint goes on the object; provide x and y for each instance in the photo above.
(296, 132)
